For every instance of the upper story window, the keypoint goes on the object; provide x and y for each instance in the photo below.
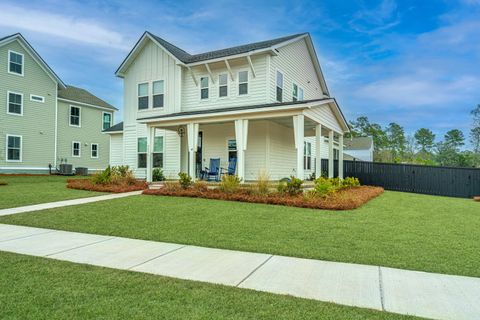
(94, 150)
(222, 85)
(279, 86)
(15, 63)
(204, 88)
(243, 82)
(297, 94)
(75, 149)
(14, 148)
(75, 116)
(106, 120)
(307, 155)
(158, 94)
(142, 96)
(36, 98)
(15, 103)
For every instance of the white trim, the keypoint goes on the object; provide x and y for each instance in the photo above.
(8, 102)
(208, 88)
(23, 63)
(298, 92)
(91, 150)
(23, 168)
(79, 116)
(239, 83)
(56, 129)
(111, 118)
(37, 96)
(231, 57)
(164, 90)
(139, 96)
(277, 70)
(225, 85)
(6, 147)
(79, 149)
(86, 104)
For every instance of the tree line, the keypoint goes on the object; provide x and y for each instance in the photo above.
(393, 145)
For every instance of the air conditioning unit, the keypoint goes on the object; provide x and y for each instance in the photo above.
(80, 171)
(66, 169)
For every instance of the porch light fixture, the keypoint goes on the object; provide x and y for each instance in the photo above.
(181, 131)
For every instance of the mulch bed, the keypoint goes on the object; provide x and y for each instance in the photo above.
(345, 199)
(476, 198)
(87, 184)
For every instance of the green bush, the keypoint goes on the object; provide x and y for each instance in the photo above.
(3, 183)
(230, 184)
(294, 186)
(262, 184)
(158, 175)
(104, 177)
(185, 180)
(350, 182)
(282, 187)
(325, 186)
(121, 171)
(115, 175)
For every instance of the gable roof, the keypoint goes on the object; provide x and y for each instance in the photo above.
(34, 54)
(358, 143)
(115, 128)
(72, 93)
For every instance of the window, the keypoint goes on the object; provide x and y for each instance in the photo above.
(142, 96)
(36, 98)
(297, 94)
(279, 86)
(204, 88)
(300, 94)
(232, 149)
(74, 116)
(15, 103)
(158, 152)
(14, 148)
(142, 152)
(222, 85)
(336, 154)
(243, 82)
(75, 149)
(15, 63)
(106, 120)
(307, 155)
(158, 94)
(94, 150)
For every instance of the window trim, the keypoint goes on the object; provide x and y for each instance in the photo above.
(79, 117)
(6, 147)
(91, 150)
(239, 83)
(8, 102)
(276, 83)
(36, 95)
(23, 63)
(153, 94)
(159, 152)
(138, 153)
(79, 149)
(298, 92)
(208, 87)
(307, 158)
(139, 96)
(225, 85)
(111, 119)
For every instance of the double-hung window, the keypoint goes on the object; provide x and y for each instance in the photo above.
(142, 152)
(222, 85)
(307, 155)
(142, 96)
(279, 93)
(76, 149)
(243, 82)
(94, 150)
(75, 114)
(204, 88)
(106, 120)
(14, 148)
(15, 103)
(15, 63)
(158, 152)
(297, 94)
(158, 94)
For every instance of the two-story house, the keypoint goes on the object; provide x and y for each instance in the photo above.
(256, 103)
(43, 121)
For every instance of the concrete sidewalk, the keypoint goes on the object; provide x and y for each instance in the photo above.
(65, 203)
(407, 292)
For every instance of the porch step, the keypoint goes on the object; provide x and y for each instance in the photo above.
(155, 185)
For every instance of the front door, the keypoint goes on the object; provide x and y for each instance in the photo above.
(199, 155)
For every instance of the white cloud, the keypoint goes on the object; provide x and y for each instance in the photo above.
(375, 20)
(68, 27)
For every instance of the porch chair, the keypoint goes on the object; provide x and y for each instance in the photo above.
(232, 166)
(212, 171)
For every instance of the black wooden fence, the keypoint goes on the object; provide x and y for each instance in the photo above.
(442, 181)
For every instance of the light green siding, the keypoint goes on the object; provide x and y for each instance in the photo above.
(90, 131)
(37, 125)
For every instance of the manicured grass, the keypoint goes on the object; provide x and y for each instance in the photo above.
(38, 288)
(27, 190)
(408, 231)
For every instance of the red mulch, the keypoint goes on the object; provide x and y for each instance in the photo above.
(87, 184)
(346, 199)
(476, 198)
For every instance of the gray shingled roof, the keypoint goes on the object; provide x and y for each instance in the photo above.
(10, 36)
(82, 95)
(115, 128)
(359, 143)
(185, 57)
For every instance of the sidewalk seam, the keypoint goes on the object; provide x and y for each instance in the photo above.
(82, 246)
(254, 270)
(156, 257)
(30, 235)
(380, 285)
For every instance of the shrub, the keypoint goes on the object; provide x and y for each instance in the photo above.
(230, 184)
(350, 182)
(261, 185)
(104, 177)
(294, 186)
(200, 186)
(325, 187)
(158, 175)
(121, 171)
(185, 180)
(3, 183)
(172, 186)
(282, 187)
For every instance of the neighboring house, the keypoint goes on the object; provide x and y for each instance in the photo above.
(360, 148)
(255, 102)
(43, 121)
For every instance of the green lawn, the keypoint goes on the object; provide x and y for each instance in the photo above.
(408, 231)
(27, 190)
(39, 288)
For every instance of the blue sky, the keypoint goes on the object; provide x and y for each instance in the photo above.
(413, 62)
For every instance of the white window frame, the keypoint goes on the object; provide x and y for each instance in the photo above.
(153, 94)
(23, 63)
(8, 102)
(42, 99)
(79, 117)
(158, 152)
(277, 86)
(111, 118)
(307, 158)
(208, 88)
(6, 147)
(303, 93)
(239, 83)
(224, 85)
(149, 104)
(299, 88)
(79, 149)
(91, 150)
(138, 152)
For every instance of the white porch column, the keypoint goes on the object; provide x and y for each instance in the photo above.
(150, 142)
(340, 156)
(241, 137)
(298, 131)
(330, 154)
(318, 154)
(192, 136)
